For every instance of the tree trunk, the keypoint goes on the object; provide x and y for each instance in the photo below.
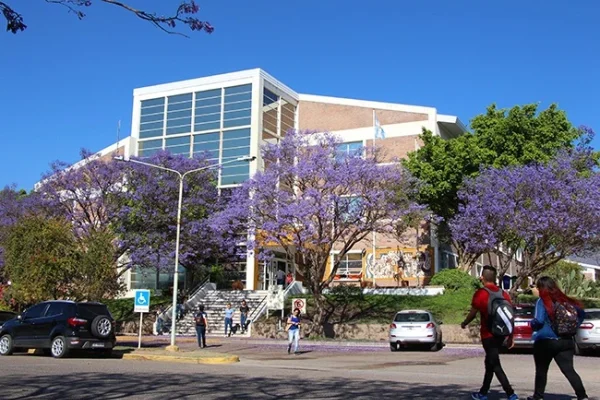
(319, 317)
(513, 290)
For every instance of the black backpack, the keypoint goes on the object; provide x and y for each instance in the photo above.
(501, 315)
(200, 319)
(566, 320)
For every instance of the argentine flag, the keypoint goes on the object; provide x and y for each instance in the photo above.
(379, 132)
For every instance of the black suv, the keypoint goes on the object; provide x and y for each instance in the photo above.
(58, 327)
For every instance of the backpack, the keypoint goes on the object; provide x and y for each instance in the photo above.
(566, 320)
(501, 315)
(200, 319)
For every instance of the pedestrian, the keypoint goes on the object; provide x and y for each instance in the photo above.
(491, 303)
(244, 312)
(229, 319)
(557, 318)
(201, 323)
(159, 321)
(280, 278)
(289, 279)
(293, 328)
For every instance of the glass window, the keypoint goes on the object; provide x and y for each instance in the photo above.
(149, 147)
(207, 145)
(238, 102)
(179, 114)
(36, 311)
(350, 264)
(54, 309)
(152, 115)
(208, 110)
(180, 145)
(412, 317)
(269, 97)
(349, 149)
(151, 278)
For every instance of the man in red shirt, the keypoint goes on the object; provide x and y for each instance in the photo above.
(491, 344)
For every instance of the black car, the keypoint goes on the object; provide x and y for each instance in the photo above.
(6, 316)
(58, 327)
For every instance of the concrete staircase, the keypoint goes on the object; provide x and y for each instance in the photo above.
(215, 303)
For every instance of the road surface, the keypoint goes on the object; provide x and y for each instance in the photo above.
(267, 372)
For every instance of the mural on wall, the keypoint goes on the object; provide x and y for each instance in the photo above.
(408, 264)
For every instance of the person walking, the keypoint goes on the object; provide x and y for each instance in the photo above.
(244, 312)
(293, 328)
(557, 318)
(229, 319)
(486, 301)
(201, 323)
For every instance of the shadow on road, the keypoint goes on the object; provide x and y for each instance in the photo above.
(213, 386)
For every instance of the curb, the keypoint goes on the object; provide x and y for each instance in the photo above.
(188, 360)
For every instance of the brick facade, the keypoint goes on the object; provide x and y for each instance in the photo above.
(336, 117)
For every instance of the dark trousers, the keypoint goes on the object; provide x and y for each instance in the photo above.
(493, 367)
(201, 334)
(561, 351)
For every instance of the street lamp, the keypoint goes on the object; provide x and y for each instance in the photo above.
(181, 176)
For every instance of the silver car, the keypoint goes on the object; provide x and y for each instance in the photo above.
(588, 334)
(415, 327)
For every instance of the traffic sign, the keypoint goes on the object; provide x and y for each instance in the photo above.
(299, 304)
(141, 301)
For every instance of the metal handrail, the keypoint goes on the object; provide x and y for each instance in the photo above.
(166, 314)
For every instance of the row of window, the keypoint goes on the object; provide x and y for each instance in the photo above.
(196, 112)
(217, 147)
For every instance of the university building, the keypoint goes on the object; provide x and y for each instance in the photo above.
(234, 114)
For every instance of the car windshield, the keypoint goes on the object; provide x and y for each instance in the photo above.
(524, 312)
(412, 317)
(592, 315)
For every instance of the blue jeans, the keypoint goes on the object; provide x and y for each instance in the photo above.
(243, 319)
(201, 333)
(228, 323)
(294, 337)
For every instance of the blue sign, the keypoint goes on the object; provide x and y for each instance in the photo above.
(141, 301)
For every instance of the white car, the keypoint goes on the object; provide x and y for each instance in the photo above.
(588, 334)
(415, 327)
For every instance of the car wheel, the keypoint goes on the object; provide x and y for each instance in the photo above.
(6, 345)
(393, 346)
(102, 326)
(58, 348)
(439, 345)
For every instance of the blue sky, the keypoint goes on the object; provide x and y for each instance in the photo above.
(65, 83)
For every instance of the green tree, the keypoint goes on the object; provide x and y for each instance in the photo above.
(40, 258)
(499, 138)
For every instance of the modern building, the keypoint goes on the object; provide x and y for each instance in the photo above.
(234, 114)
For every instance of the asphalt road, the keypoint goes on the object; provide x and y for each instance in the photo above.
(267, 372)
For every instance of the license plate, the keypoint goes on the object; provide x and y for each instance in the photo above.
(97, 345)
(521, 323)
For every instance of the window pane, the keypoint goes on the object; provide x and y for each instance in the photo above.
(208, 94)
(178, 129)
(269, 97)
(36, 311)
(153, 102)
(232, 180)
(150, 126)
(412, 317)
(151, 118)
(237, 152)
(240, 105)
(207, 137)
(207, 126)
(149, 147)
(236, 134)
(238, 89)
(185, 140)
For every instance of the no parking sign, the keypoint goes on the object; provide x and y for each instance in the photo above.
(299, 304)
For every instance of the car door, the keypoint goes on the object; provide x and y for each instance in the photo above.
(46, 323)
(25, 333)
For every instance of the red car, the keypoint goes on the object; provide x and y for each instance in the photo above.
(524, 313)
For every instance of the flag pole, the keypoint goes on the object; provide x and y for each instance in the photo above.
(373, 233)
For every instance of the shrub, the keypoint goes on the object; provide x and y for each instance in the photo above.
(454, 279)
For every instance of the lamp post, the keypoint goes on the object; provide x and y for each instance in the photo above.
(181, 177)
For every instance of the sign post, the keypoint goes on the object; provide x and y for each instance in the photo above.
(299, 304)
(141, 304)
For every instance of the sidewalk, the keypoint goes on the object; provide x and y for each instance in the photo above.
(191, 342)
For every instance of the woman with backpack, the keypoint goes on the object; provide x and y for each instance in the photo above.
(556, 320)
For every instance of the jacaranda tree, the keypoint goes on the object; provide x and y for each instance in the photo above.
(184, 14)
(312, 200)
(548, 211)
(147, 215)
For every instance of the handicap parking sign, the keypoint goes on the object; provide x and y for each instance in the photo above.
(141, 301)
